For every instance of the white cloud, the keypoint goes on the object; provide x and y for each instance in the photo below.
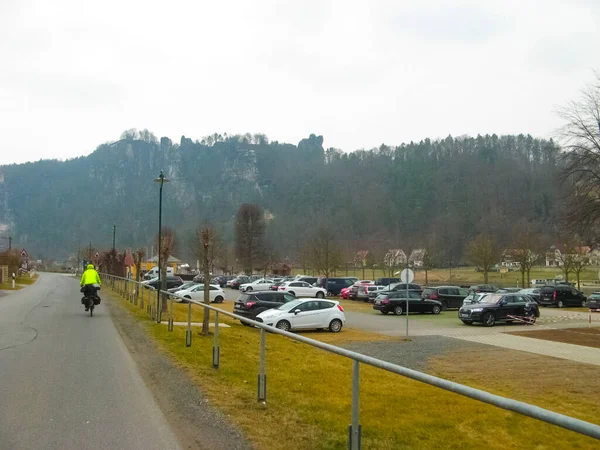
(75, 73)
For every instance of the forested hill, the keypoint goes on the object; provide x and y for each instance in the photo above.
(438, 193)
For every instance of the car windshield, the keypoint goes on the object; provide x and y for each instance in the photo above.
(595, 295)
(290, 305)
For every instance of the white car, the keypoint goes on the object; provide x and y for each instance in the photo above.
(302, 289)
(303, 314)
(216, 294)
(474, 297)
(262, 284)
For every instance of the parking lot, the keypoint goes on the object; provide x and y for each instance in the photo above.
(446, 331)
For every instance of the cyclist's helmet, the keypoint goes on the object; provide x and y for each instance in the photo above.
(90, 266)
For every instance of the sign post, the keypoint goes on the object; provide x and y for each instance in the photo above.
(407, 276)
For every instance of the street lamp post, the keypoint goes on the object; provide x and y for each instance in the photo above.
(114, 235)
(161, 180)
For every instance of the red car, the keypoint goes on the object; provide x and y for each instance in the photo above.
(345, 292)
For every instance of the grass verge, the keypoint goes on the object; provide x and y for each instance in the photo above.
(308, 405)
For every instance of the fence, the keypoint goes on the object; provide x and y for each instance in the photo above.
(134, 293)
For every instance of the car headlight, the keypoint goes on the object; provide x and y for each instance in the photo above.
(477, 310)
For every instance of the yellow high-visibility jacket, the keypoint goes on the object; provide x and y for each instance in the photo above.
(90, 276)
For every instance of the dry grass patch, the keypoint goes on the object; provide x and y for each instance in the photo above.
(308, 405)
(589, 337)
(557, 384)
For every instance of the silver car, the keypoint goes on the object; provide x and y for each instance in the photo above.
(474, 297)
(593, 301)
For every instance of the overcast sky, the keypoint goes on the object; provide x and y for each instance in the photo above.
(76, 73)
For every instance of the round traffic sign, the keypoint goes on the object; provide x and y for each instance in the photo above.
(407, 276)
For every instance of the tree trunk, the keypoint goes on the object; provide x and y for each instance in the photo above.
(577, 274)
(485, 276)
(523, 278)
(426, 271)
(206, 316)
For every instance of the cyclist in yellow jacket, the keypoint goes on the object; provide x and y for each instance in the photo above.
(89, 279)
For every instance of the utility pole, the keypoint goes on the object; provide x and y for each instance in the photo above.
(114, 235)
(90, 255)
(10, 243)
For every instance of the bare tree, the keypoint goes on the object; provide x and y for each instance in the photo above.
(138, 258)
(526, 252)
(207, 244)
(580, 262)
(580, 136)
(325, 252)
(573, 258)
(249, 235)
(167, 246)
(270, 258)
(566, 260)
(483, 252)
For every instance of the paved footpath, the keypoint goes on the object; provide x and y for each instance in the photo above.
(67, 380)
(577, 353)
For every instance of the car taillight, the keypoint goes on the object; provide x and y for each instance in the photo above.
(340, 308)
(433, 296)
(250, 304)
(554, 296)
(282, 288)
(385, 301)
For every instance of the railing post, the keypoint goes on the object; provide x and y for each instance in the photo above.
(354, 430)
(216, 348)
(159, 302)
(170, 327)
(140, 291)
(188, 332)
(262, 376)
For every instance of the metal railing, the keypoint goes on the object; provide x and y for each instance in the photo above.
(122, 287)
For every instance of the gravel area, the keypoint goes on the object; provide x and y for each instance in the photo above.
(416, 353)
(197, 423)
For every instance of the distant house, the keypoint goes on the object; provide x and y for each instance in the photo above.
(417, 257)
(153, 262)
(508, 258)
(555, 256)
(282, 269)
(394, 257)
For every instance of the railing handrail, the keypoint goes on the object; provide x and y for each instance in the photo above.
(526, 409)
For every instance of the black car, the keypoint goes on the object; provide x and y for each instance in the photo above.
(500, 307)
(172, 281)
(336, 284)
(238, 281)
(483, 288)
(221, 280)
(386, 281)
(561, 295)
(395, 302)
(253, 303)
(402, 287)
(448, 296)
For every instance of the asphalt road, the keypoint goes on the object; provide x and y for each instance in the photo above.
(67, 380)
